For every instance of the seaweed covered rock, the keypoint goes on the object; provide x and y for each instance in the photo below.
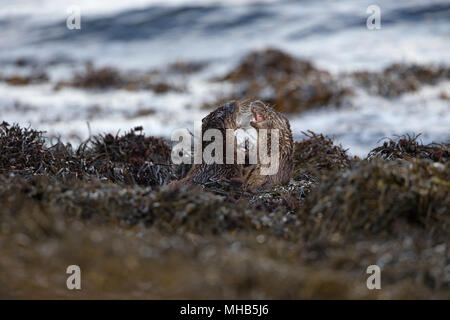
(101, 78)
(187, 67)
(399, 78)
(380, 198)
(287, 198)
(185, 242)
(131, 147)
(317, 153)
(36, 77)
(110, 78)
(178, 209)
(408, 147)
(131, 158)
(179, 253)
(269, 64)
(290, 84)
(171, 210)
(24, 151)
(20, 148)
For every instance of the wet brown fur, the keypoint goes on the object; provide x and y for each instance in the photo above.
(272, 120)
(226, 117)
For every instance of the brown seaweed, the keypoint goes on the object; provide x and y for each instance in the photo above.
(140, 238)
(288, 83)
(408, 147)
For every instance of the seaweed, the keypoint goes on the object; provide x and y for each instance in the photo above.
(187, 243)
(105, 78)
(187, 67)
(21, 148)
(317, 153)
(170, 209)
(408, 147)
(290, 84)
(141, 238)
(400, 78)
(131, 158)
(20, 80)
(380, 198)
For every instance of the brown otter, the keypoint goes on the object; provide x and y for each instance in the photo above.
(235, 115)
(224, 117)
(267, 118)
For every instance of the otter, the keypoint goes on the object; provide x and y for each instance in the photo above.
(267, 118)
(224, 117)
(241, 115)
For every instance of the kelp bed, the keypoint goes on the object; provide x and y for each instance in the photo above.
(106, 206)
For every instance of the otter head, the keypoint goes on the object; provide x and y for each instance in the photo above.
(262, 115)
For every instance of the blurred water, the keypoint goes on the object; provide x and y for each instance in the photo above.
(333, 33)
(144, 34)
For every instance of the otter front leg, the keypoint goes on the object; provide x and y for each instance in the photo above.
(254, 180)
